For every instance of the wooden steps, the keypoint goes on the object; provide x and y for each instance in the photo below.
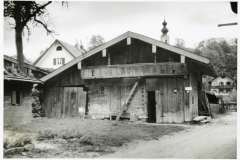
(128, 100)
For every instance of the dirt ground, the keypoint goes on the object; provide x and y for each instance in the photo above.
(215, 140)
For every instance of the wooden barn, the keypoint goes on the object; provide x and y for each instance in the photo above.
(131, 74)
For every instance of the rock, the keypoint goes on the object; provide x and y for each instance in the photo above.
(29, 147)
(14, 150)
(62, 141)
(24, 154)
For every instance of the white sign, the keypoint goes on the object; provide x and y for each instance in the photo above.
(188, 88)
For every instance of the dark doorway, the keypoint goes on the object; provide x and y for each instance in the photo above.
(18, 101)
(151, 107)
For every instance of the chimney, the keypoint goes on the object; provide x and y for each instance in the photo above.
(77, 45)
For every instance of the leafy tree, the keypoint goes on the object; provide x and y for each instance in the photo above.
(231, 98)
(223, 54)
(180, 43)
(95, 41)
(24, 14)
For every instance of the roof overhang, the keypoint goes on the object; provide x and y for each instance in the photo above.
(198, 58)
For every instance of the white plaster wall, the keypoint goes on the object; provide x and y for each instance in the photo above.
(47, 60)
(216, 81)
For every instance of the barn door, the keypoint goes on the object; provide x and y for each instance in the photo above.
(115, 99)
(159, 107)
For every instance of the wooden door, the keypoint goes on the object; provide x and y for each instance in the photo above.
(159, 107)
(115, 99)
(14, 97)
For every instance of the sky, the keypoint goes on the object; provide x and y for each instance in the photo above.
(190, 21)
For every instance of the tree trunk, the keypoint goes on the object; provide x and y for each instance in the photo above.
(18, 38)
(19, 48)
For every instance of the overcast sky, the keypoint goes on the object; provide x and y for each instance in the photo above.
(192, 22)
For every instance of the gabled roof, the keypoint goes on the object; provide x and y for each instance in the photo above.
(70, 48)
(223, 73)
(122, 37)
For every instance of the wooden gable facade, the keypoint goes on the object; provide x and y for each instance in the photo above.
(131, 74)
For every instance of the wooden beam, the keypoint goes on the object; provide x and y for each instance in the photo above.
(128, 40)
(104, 52)
(79, 65)
(109, 59)
(154, 49)
(182, 59)
(227, 24)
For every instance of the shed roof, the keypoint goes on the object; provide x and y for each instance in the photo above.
(197, 58)
(15, 76)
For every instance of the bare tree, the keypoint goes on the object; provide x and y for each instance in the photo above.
(24, 13)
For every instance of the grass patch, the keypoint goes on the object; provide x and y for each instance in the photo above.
(85, 135)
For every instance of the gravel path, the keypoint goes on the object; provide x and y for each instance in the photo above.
(215, 140)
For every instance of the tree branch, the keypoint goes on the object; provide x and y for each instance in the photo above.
(44, 25)
(34, 13)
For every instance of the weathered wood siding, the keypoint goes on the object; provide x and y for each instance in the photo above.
(107, 96)
(63, 101)
(170, 104)
(137, 52)
(134, 70)
(69, 77)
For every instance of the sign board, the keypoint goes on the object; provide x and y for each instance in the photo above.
(188, 88)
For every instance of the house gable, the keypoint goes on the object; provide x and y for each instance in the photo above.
(47, 60)
(123, 37)
(58, 49)
(222, 78)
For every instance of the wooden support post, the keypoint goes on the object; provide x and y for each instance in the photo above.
(104, 52)
(109, 62)
(79, 65)
(128, 40)
(182, 59)
(154, 49)
(12, 65)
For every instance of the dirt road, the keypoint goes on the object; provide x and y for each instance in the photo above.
(216, 140)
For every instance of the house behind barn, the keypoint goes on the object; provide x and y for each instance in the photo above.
(130, 74)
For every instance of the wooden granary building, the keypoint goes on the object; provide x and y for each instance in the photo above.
(130, 74)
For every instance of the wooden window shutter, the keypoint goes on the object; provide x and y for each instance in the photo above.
(54, 61)
(14, 97)
(63, 61)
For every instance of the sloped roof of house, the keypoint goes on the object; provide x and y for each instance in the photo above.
(30, 66)
(15, 76)
(197, 58)
(70, 48)
(10, 74)
(220, 74)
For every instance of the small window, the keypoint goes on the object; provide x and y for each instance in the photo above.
(58, 61)
(59, 48)
(221, 84)
(223, 76)
(228, 83)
